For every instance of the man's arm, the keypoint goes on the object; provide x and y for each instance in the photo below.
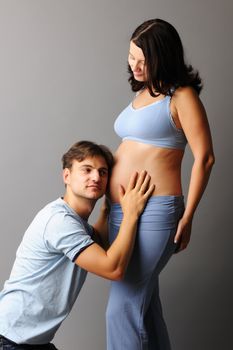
(101, 226)
(111, 264)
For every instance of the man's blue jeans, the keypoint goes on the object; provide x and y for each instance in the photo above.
(6, 344)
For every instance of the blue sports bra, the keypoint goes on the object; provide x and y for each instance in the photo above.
(152, 124)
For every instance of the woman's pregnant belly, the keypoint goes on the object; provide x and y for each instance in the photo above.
(163, 165)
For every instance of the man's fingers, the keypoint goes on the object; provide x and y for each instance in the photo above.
(132, 181)
(149, 192)
(140, 180)
(145, 184)
(121, 191)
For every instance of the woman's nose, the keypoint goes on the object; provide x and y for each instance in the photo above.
(135, 66)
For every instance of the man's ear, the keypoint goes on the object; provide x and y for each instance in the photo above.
(66, 176)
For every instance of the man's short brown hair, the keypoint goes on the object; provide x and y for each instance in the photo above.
(83, 149)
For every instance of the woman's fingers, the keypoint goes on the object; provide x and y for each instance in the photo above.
(182, 236)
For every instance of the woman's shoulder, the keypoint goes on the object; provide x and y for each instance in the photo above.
(186, 102)
(185, 95)
(185, 92)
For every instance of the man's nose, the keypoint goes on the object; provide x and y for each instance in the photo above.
(95, 175)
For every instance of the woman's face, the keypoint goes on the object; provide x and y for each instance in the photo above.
(136, 62)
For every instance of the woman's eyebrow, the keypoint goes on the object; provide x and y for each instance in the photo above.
(134, 57)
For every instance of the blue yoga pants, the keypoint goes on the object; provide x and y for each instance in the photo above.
(134, 316)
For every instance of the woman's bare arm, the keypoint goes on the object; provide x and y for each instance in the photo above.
(193, 119)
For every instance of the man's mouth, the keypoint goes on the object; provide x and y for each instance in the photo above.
(97, 187)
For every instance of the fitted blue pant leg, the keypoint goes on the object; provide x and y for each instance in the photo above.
(134, 314)
(158, 337)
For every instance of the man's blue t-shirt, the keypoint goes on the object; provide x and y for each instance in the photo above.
(44, 282)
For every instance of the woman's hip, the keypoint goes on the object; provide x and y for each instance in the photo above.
(154, 242)
(161, 212)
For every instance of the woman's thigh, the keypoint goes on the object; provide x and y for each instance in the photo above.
(154, 243)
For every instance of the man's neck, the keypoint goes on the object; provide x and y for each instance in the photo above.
(82, 206)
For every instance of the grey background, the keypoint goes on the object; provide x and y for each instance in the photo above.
(63, 78)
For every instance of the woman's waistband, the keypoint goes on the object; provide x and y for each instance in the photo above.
(173, 200)
(164, 205)
(158, 208)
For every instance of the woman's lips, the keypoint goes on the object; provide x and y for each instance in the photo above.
(137, 74)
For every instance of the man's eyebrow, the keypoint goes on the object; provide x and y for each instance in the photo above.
(103, 168)
(90, 166)
(86, 165)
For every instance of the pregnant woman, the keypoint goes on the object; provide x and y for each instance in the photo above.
(165, 114)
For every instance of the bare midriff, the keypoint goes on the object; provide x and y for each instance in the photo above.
(162, 164)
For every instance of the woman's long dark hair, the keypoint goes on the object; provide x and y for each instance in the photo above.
(164, 59)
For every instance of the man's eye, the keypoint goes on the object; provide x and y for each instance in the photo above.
(103, 173)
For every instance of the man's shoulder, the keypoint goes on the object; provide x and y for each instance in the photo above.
(58, 212)
(56, 205)
(55, 213)
(59, 216)
(56, 208)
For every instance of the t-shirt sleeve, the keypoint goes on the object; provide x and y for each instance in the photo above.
(68, 235)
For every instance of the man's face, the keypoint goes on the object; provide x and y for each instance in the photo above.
(87, 179)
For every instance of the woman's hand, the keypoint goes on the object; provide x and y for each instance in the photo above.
(138, 191)
(183, 234)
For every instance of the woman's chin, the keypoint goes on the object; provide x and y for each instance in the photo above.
(139, 77)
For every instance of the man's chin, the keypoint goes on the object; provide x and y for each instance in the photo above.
(96, 195)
